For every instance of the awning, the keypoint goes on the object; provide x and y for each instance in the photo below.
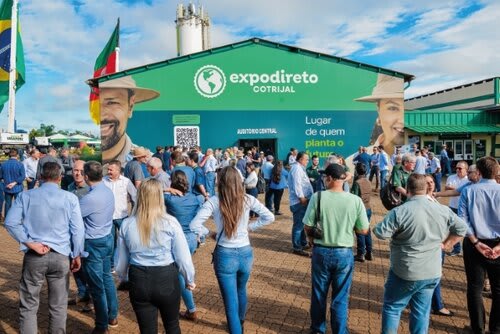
(454, 128)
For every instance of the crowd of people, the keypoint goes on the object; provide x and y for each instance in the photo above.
(145, 219)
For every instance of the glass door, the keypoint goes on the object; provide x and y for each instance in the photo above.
(459, 150)
(468, 149)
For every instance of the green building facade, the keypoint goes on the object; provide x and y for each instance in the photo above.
(257, 93)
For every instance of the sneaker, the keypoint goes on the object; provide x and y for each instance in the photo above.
(369, 256)
(123, 286)
(88, 307)
(301, 252)
(113, 323)
(359, 258)
(113, 271)
(189, 316)
(454, 253)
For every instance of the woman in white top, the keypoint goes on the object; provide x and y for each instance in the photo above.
(233, 255)
(153, 248)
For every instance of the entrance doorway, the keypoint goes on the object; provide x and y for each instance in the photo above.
(268, 146)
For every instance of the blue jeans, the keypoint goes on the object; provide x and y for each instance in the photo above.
(364, 242)
(269, 196)
(397, 294)
(299, 240)
(232, 268)
(383, 178)
(210, 182)
(9, 198)
(437, 300)
(187, 295)
(117, 223)
(101, 285)
(437, 181)
(335, 267)
(81, 283)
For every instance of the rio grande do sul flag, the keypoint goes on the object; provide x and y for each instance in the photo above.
(104, 64)
(5, 38)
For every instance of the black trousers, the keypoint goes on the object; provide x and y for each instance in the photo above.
(476, 265)
(154, 289)
(277, 194)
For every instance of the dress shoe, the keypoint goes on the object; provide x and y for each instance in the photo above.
(190, 316)
(123, 286)
(359, 258)
(301, 252)
(78, 299)
(368, 256)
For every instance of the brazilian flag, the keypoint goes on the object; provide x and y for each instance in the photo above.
(5, 29)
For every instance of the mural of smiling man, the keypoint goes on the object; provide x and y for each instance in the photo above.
(117, 98)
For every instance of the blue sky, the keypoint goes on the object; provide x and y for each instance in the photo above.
(442, 43)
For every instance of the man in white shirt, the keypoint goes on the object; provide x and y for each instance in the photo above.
(420, 163)
(453, 182)
(30, 168)
(124, 192)
(209, 167)
(435, 168)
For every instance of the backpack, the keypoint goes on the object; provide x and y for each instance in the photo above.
(389, 196)
(261, 183)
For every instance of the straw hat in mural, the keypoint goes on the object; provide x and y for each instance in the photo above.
(388, 87)
(141, 94)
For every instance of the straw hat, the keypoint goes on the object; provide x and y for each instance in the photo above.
(126, 82)
(140, 152)
(387, 87)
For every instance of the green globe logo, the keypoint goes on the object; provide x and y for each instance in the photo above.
(209, 81)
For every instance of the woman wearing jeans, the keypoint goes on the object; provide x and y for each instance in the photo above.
(233, 255)
(153, 248)
(184, 208)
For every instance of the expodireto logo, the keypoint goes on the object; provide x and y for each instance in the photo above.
(210, 81)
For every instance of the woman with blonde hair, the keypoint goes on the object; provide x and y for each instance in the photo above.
(233, 255)
(153, 249)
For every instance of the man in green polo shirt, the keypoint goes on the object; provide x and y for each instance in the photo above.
(341, 214)
(400, 176)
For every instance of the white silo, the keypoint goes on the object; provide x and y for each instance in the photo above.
(192, 29)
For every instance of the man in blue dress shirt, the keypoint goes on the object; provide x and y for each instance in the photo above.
(13, 175)
(47, 223)
(479, 207)
(97, 212)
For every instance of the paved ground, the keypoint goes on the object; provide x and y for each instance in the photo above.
(278, 290)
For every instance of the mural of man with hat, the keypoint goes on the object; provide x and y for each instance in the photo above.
(117, 98)
(389, 129)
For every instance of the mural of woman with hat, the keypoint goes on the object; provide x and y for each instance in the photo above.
(117, 98)
(388, 94)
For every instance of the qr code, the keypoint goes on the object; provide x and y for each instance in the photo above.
(187, 136)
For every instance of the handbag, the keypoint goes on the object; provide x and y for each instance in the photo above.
(316, 231)
(389, 196)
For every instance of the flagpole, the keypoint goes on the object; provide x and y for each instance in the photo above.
(117, 49)
(12, 73)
